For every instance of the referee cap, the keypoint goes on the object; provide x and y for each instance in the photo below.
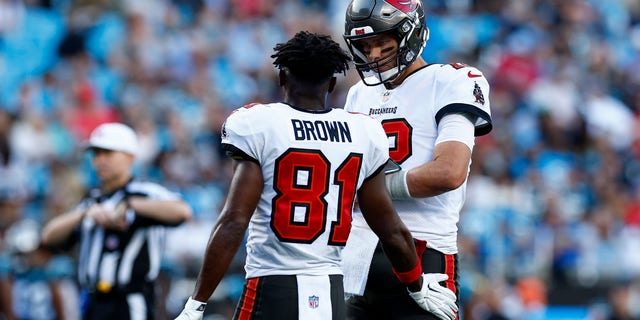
(114, 136)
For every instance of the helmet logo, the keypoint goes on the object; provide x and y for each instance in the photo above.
(361, 31)
(405, 6)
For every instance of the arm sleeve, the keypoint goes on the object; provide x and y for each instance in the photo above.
(456, 127)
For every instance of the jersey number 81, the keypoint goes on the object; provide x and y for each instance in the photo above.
(301, 182)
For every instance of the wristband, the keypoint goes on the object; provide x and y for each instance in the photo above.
(397, 185)
(196, 305)
(411, 275)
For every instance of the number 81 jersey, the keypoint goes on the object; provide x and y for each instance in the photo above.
(312, 165)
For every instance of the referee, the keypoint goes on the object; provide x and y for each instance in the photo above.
(120, 226)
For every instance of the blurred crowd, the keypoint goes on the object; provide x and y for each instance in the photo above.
(551, 225)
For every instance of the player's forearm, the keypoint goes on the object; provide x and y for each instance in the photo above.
(447, 171)
(399, 247)
(224, 242)
(169, 211)
(60, 227)
(431, 181)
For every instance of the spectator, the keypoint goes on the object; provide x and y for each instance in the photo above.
(40, 283)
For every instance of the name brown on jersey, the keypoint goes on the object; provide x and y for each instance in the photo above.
(333, 131)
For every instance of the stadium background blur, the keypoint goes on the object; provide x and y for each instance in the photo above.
(551, 227)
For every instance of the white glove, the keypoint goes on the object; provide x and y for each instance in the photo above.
(193, 310)
(435, 298)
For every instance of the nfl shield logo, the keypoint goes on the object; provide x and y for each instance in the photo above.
(314, 302)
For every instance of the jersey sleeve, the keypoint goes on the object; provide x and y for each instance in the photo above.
(238, 138)
(464, 89)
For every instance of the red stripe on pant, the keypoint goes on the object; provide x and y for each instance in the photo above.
(449, 269)
(249, 299)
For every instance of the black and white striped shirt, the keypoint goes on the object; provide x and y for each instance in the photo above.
(123, 261)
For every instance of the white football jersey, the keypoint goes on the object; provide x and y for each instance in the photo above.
(312, 164)
(410, 114)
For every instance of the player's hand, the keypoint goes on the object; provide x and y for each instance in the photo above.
(435, 298)
(193, 310)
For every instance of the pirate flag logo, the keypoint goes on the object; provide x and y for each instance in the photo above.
(477, 92)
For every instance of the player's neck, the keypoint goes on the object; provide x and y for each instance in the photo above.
(306, 103)
(419, 63)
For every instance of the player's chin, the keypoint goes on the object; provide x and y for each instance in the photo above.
(383, 70)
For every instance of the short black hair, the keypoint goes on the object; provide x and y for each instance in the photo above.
(311, 57)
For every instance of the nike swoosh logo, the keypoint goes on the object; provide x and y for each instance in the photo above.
(471, 75)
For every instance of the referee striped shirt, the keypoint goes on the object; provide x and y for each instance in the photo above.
(122, 261)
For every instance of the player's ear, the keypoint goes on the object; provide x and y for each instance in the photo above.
(332, 84)
(282, 76)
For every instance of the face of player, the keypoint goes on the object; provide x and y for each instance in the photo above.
(381, 49)
(112, 167)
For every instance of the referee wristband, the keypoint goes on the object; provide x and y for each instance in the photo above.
(397, 185)
(411, 275)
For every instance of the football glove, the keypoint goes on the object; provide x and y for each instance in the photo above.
(435, 298)
(193, 310)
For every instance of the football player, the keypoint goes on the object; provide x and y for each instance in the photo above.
(298, 167)
(431, 114)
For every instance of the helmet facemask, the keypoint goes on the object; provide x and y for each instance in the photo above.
(410, 33)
